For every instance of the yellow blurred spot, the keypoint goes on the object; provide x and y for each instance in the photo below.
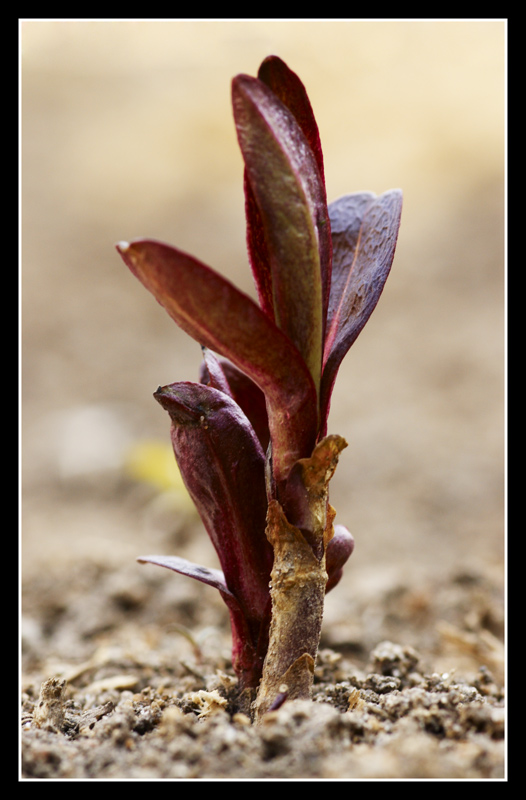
(154, 463)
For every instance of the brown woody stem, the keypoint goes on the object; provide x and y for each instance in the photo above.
(298, 582)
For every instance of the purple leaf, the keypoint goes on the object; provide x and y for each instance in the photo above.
(364, 232)
(223, 375)
(290, 196)
(339, 550)
(212, 577)
(220, 317)
(223, 467)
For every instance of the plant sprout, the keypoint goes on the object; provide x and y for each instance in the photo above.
(250, 436)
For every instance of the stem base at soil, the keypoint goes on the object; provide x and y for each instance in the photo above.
(298, 580)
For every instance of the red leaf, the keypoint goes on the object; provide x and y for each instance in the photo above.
(287, 86)
(219, 316)
(290, 196)
(257, 251)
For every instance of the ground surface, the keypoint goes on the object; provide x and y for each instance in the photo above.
(127, 132)
(134, 695)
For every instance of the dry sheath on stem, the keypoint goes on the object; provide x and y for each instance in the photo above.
(250, 437)
(298, 581)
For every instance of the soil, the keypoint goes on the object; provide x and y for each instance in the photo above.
(125, 669)
(127, 676)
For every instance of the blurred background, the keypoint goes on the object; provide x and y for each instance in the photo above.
(127, 131)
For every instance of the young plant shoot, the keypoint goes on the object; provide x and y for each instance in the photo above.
(250, 437)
